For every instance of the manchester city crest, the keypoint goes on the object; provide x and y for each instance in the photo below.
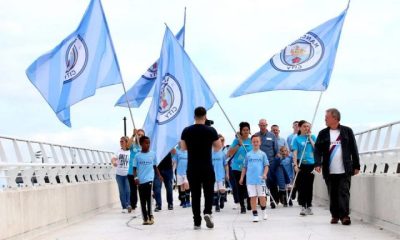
(170, 102)
(76, 58)
(151, 73)
(303, 54)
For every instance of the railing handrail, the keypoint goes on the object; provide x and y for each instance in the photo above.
(378, 127)
(48, 143)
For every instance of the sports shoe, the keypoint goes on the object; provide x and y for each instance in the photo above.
(309, 211)
(129, 209)
(124, 210)
(170, 207)
(157, 209)
(242, 210)
(197, 227)
(334, 220)
(222, 204)
(290, 203)
(273, 205)
(265, 216)
(217, 208)
(188, 204)
(151, 220)
(303, 211)
(255, 218)
(345, 220)
(146, 222)
(209, 221)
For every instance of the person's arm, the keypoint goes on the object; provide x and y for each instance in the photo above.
(276, 147)
(311, 140)
(158, 173)
(237, 143)
(174, 165)
(318, 153)
(135, 176)
(132, 138)
(227, 172)
(114, 161)
(265, 174)
(295, 166)
(244, 170)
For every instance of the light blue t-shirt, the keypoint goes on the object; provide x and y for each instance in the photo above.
(144, 163)
(240, 155)
(290, 139)
(219, 163)
(181, 159)
(254, 163)
(135, 148)
(298, 144)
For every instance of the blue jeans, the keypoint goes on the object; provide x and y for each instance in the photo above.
(124, 191)
(157, 185)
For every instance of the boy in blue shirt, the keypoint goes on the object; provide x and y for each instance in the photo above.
(221, 171)
(285, 176)
(256, 168)
(144, 166)
(180, 161)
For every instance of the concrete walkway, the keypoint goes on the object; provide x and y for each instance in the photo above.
(282, 223)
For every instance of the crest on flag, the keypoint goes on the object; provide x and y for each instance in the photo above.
(151, 73)
(170, 99)
(76, 58)
(304, 54)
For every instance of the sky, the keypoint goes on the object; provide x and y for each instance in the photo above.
(226, 40)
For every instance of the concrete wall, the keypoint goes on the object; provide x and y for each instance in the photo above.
(374, 199)
(35, 209)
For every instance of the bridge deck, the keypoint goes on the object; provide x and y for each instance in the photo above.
(282, 223)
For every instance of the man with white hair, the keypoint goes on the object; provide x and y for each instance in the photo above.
(336, 152)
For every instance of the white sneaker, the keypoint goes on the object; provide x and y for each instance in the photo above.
(265, 216)
(124, 211)
(303, 211)
(255, 218)
(209, 221)
(309, 211)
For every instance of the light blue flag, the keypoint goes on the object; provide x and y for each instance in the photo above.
(142, 88)
(81, 63)
(306, 64)
(179, 89)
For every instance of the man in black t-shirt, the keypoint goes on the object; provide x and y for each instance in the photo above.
(198, 139)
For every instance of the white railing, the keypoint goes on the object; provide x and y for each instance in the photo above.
(379, 149)
(26, 163)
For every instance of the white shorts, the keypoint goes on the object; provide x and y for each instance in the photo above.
(256, 190)
(181, 179)
(219, 186)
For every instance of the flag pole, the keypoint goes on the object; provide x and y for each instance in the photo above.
(129, 106)
(304, 149)
(184, 26)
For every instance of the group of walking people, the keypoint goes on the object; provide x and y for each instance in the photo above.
(253, 167)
